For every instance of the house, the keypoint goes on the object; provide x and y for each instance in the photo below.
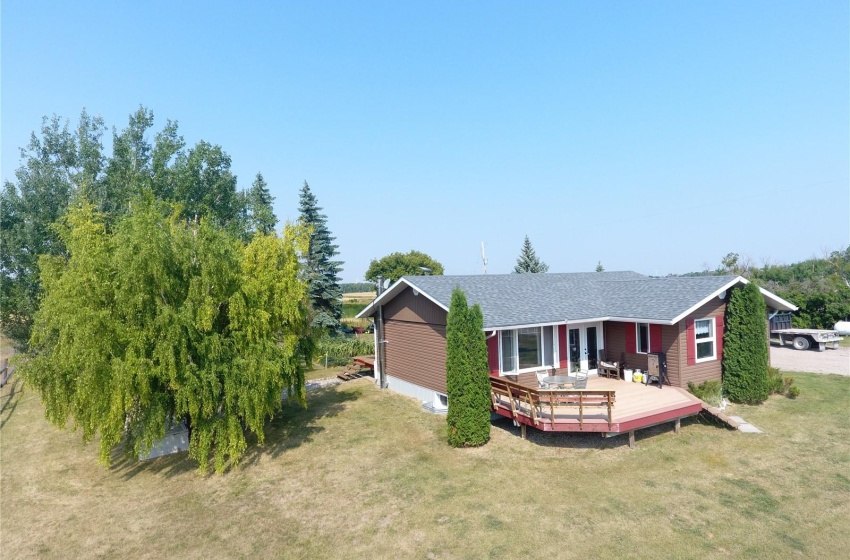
(556, 320)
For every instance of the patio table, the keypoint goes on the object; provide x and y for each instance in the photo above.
(559, 380)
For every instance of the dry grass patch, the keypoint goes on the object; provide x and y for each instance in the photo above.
(367, 474)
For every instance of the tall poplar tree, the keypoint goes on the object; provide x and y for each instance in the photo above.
(528, 260)
(321, 271)
(63, 162)
(56, 165)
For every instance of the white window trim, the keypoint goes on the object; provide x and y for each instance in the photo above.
(515, 337)
(712, 340)
(648, 338)
(502, 371)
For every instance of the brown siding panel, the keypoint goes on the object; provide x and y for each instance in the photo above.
(704, 371)
(416, 353)
(414, 309)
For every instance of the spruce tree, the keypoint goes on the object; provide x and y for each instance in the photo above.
(467, 377)
(745, 347)
(261, 216)
(320, 270)
(528, 260)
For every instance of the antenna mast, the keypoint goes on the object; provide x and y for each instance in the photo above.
(484, 257)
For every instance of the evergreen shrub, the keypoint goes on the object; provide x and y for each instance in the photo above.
(467, 375)
(745, 347)
(711, 391)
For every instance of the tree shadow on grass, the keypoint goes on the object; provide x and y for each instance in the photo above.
(292, 427)
(9, 400)
(295, 426)
(169, 466)
(589, 440)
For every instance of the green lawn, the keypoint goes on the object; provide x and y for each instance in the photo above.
(366, 474)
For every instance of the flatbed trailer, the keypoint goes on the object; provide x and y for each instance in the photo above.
(802, 339)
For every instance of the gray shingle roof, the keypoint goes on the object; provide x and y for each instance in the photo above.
(527, 299)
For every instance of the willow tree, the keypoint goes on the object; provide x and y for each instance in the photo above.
(165, 321)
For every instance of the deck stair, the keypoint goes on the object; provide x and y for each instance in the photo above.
(354, 370)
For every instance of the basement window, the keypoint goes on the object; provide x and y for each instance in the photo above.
(441, 401)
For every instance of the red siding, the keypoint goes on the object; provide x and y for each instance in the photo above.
(655, 338)
(562, 346)
(493, 354)
(620, 341)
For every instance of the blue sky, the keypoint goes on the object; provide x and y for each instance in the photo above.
(650, 136)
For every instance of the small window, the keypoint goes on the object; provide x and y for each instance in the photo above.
(642, 338)
(705, 339)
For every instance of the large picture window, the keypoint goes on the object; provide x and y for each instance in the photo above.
(705, 339)
(642, 335)
(526, 349)
(529, 345)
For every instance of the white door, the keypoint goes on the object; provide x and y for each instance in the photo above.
(583, 345)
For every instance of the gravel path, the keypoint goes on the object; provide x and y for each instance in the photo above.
(321, 383)
(828, 361)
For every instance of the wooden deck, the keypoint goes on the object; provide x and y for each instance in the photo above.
(636, 406)
(365, 361)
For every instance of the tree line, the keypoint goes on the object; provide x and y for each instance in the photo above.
(819, 286)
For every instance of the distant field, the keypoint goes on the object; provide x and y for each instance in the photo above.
(352, 309)
(352, 304)
(360, 297)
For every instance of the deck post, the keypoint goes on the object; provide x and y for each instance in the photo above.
(522, 430)
(677, 425)
(632, 439)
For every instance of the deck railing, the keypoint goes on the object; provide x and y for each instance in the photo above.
(529, 402)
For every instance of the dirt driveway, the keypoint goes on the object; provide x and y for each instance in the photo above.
(828, 361)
